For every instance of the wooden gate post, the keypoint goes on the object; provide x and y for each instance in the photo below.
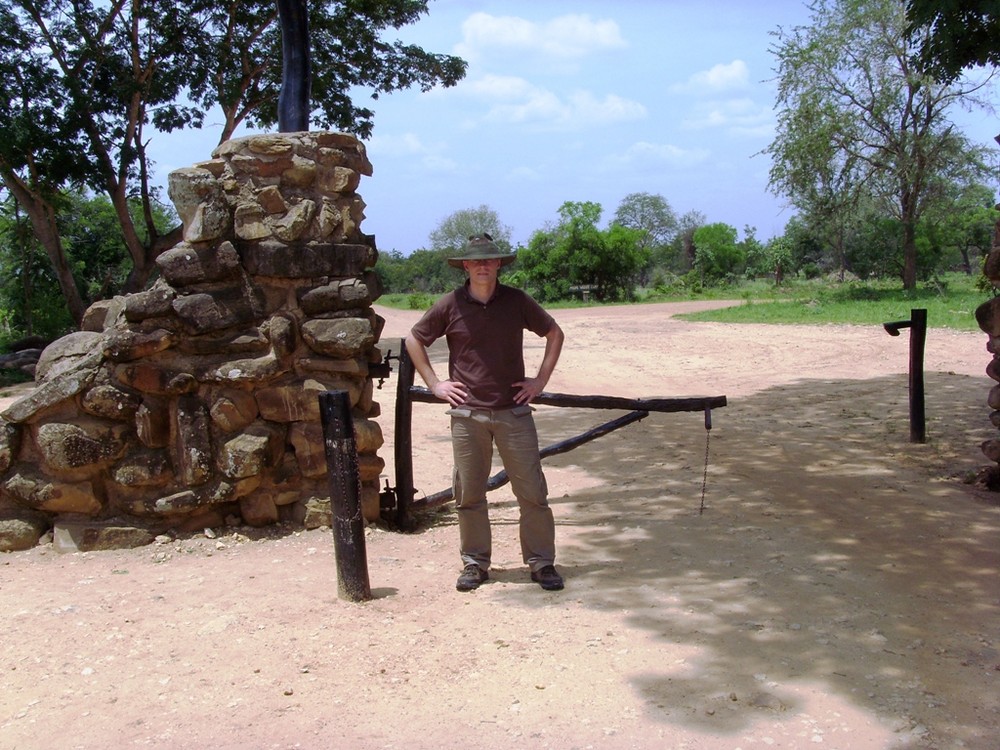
(403, 439)
(918, 335)
(345, 496)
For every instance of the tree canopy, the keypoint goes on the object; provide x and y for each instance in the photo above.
(576, 254)
(858, 122)
(455, 229)
(84, 83)
(955, 35)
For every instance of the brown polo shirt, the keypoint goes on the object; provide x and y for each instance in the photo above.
(485, 341)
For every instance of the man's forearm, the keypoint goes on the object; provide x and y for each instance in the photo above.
(553, 348)
(421, 362)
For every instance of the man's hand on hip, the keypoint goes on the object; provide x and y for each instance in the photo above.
(452, 391)
(528, 390)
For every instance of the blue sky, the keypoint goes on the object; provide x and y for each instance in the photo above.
(579, 101)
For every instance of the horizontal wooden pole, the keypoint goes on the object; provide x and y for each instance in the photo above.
(418, 393)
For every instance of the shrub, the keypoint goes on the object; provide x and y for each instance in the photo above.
(419, 301)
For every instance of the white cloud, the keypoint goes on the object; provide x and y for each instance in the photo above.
(645, 156)
(722, 77)
(665, 152)
(409, 146)
(516, 100)
(499, 88)
(738, 116)
(406, 144)
(565, 37)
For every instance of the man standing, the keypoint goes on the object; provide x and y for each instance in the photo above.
(484, 323)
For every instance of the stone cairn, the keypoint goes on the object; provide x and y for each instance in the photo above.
(988, 318)
(195, 403)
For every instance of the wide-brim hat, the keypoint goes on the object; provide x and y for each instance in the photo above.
(481, 247)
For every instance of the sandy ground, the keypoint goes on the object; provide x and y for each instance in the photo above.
(841, 588)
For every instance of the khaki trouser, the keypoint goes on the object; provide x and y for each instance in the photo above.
(473, 433)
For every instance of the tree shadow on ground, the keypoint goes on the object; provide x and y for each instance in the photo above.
(829, 547)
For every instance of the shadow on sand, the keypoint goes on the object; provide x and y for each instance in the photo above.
(829, 549)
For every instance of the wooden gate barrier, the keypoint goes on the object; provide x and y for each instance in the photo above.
(407, 393)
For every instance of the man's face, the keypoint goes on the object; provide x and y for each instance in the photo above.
(483, 270)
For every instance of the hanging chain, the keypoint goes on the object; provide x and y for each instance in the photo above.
(704, 476)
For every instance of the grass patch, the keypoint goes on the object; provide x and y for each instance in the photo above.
(950, 303)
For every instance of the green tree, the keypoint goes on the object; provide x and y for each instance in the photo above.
(95, 255)
(456, 228)
(772, 258)
(779, 257)
(823, 181)
(83, 81)
(576, 253)
(653, 217)
(807, 252)
(962, 34)
(963, 224)
(683, 243)
(30, 303)
(717, 255)
(430, 272)
(851, 77)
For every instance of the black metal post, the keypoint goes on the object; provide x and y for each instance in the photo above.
(345, 496)
(403, 447)
(918, 336)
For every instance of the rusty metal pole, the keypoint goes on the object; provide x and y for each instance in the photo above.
(345, 496)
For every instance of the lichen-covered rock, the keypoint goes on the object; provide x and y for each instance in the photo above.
(21, 533)
(233, 410)
(126, 346)
(86, 444)
(102, 314)
(207, 312)
(201, 203)
(146, 468)
(10, 438)
(74, 535)
(272, 258)
(67, 354)
(250, 453)
(192, 444)
(339, 337)
(36, 491)
(155, 302)
(185, 264)
(340, 294)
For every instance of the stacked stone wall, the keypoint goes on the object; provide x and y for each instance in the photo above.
(196, 401)
(988, 318)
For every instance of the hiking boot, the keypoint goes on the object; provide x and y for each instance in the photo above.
(471, 578)
(548, 578)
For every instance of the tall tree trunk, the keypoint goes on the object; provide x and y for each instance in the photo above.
(43, 222)
(909, 255)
